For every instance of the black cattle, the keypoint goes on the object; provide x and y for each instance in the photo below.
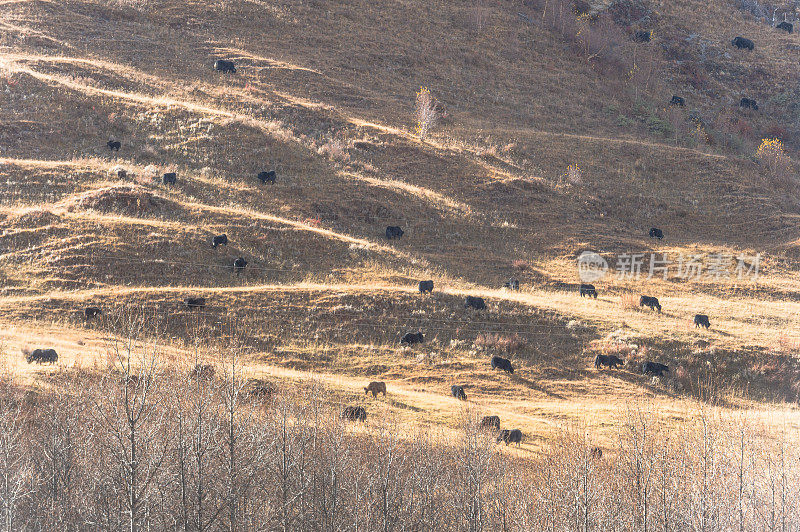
(747, 103)
(195, 302)
(40, 356)
(510, 436)
(654, 368)
(131, 380)
(412, 338)
(656, 233)
(502, 363)
(375, 388)
(785, 26)
(652, 302)
(641, 36)
(170, 178)
(221, 65)
(219, 240)
(588, 290)
(475, 302)
(596, 453)
(491, 422)
(701, 320)
(267, 177)
(425, 286)
(677, 100)
(114, 145)
(511, 284)
(239, 264)
(354, 413)
(393, 231)
(92, 312)
(612, 361)
(458, 392)
(202, 372)
(741, 42)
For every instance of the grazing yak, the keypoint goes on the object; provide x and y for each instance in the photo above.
(475, 302)
(354, 413)
(219, 240)
(588, 290)
(393, 231)
(114, 145)
(510, 436)
(677, 100)
(502, 363)
(656, 233)
(654, 369)
(701, 320)
(611, 361)
(785, 26)
(170, 178)
(596, 453)
(741, 42)
(747, 103)
(425, 287)
(261, 390)
(202, 371)
(195, 302)
(40, 356)
(642, 36)
(511, 284)
(92, 312)
(412, 338)
(652, 302)
(221, 65)
(267, 177)
(490, 422)
(238, 265)
(458, 392)
(131, 380)
(376, 388)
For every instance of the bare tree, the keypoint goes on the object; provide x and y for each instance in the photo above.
(128, 410)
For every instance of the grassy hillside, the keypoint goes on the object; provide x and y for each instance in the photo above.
(324, 93)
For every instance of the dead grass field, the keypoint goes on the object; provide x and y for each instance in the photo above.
(325, 295)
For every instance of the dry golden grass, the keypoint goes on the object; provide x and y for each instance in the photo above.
(329, 296)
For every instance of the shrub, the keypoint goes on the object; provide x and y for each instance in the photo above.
(574, 175)
(335, 149)
(425, 114)
(500, 342)
(771, 154)
(520, 265)
(629, 302)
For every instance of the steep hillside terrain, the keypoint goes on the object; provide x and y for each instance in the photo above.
(324, 94)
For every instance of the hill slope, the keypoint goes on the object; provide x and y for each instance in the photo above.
(324, 94)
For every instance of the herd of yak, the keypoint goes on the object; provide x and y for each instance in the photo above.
(742, 43)
(359, 413)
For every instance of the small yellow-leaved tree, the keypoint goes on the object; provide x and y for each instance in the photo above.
(424, 112)
(772, 155)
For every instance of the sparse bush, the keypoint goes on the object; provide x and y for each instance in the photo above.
(629, 301)
(425, 115)
(574, 175)
(772, 155)
(508, 343)
(335, 149)
(520, 265)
